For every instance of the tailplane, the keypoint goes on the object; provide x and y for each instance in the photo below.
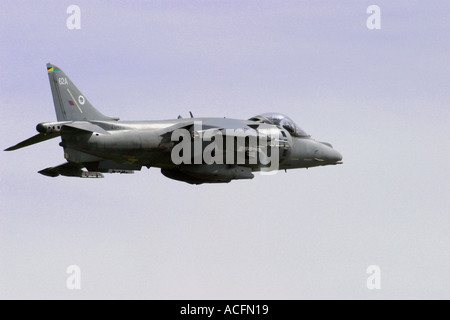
(70, 103)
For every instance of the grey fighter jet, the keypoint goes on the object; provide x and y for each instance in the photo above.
(193, 150)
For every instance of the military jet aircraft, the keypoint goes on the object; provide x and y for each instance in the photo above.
(193, 150)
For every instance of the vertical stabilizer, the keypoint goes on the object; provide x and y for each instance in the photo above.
(70, 103)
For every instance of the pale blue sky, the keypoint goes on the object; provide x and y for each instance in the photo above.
(380, 97)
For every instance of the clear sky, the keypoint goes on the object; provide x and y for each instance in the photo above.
(381, 97)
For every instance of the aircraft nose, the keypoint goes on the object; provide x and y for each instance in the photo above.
(332, 155)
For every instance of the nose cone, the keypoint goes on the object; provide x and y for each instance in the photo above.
(331, 156)
(334, 156)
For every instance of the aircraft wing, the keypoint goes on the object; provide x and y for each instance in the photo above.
(201, 126)
(206, 124)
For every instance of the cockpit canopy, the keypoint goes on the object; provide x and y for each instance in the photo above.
(281, 120)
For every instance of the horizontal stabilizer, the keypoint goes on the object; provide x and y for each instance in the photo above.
(33, 140)
(69, 170)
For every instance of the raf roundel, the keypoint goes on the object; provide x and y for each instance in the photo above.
(81, 100)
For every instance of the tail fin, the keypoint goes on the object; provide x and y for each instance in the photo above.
(70, 103)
